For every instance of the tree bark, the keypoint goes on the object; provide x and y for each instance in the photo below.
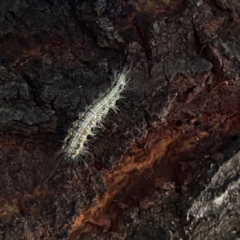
(166, 166)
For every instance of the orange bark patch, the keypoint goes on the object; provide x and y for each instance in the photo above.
(182, 146)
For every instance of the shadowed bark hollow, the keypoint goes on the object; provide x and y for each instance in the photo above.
(167, 165)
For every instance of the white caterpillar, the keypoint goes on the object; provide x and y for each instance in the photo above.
(75, 142)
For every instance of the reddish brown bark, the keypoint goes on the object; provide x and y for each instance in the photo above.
(163, 168)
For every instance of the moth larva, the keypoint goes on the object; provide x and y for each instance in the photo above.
(75, 143)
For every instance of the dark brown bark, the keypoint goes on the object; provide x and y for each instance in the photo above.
(165, 167)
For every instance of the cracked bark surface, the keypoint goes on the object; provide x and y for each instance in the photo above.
(165, 167)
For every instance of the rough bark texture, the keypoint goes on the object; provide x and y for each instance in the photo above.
(167, 166)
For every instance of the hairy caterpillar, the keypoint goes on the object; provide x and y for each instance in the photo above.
(75, 143)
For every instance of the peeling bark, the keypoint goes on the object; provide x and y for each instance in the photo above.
(165, 167)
